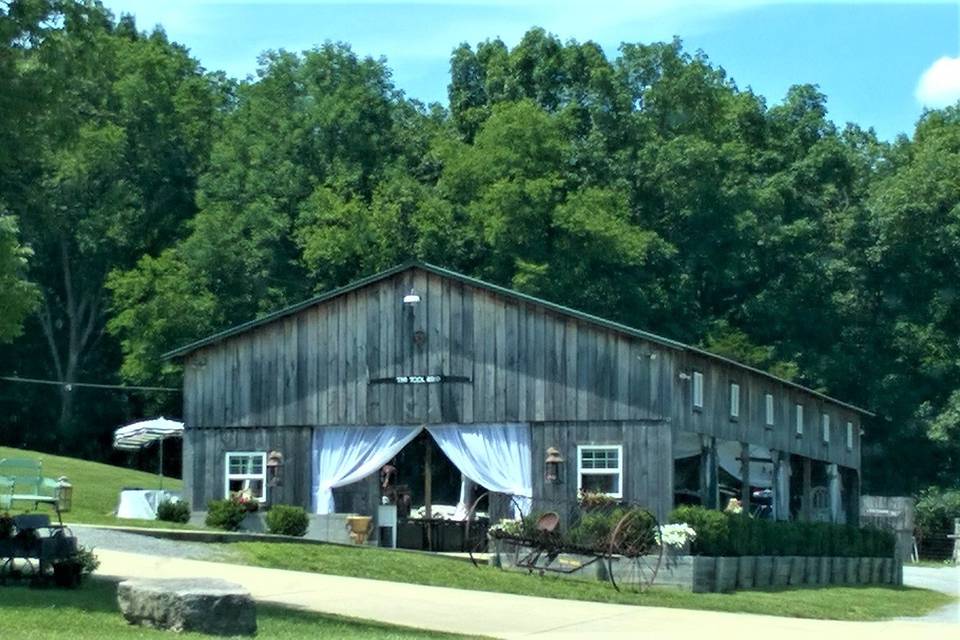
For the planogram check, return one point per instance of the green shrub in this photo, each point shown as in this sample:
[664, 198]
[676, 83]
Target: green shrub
[173, 511]
[286, 520]
[87, 559]
[725, 534]
[225, 514]
[595, 526]
[712, 527]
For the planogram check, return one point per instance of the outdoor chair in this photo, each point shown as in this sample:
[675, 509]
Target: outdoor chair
[21, 480]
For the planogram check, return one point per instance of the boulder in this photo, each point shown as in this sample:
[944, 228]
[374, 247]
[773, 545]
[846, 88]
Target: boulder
[204, 605]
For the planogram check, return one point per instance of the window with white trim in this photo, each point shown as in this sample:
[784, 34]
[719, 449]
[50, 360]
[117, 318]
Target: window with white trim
[734, 400]
[600, 469]
[246, 472]
[849, 435]
[768, 409]
[799, 419]
[825, 427]
[697, 390]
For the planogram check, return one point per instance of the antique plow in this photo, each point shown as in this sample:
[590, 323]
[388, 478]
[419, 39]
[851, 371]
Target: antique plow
[622, 538]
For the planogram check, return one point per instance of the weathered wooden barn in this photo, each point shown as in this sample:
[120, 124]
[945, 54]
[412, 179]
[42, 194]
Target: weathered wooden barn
[631, 414]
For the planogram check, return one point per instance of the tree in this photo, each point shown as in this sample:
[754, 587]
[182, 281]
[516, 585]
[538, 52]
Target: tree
[116, 139]
[18, 298]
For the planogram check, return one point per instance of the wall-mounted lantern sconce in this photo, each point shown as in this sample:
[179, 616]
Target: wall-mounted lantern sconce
[275, 468]
[552, 465]
[411, 298]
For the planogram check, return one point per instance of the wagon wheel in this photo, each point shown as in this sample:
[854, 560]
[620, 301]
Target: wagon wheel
[514, 555]
[634, 555]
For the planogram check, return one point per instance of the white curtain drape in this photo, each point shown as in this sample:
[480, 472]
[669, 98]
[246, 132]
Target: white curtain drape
[343, 455]
[495, 456]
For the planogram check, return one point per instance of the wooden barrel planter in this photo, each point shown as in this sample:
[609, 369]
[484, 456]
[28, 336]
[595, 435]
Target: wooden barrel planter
[812, 570]
[781, 571]
[851, 576]
[798, 568]
[823, 571]
[863, 570]
[746, 567]
[763, 576]
[838, 570]
[727, 569]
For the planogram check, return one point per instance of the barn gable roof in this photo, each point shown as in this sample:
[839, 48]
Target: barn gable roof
[503, 291]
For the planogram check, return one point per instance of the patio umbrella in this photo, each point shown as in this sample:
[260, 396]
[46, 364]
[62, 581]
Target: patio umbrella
[138, 435]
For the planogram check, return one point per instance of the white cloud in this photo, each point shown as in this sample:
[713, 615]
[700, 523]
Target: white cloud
[939, 85]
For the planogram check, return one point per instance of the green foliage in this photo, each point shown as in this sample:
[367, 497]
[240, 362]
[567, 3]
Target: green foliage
[173, 511]
[713, 529]
[286, 520]
[936, 510]
[724, 534]
[18, 297]
[87, 559]
[163, 203]
[225, 514]
[595, 527]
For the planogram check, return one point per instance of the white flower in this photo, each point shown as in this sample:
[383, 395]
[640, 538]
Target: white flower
[676, 535]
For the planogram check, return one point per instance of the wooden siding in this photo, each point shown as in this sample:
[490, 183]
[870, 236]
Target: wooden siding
[750, 426]
[524, 364]
[647, 461]
[204, 458]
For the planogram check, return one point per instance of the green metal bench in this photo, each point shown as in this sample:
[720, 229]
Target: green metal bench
[21, 480]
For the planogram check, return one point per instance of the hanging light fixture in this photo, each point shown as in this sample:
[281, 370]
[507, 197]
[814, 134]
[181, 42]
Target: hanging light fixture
[411, 298]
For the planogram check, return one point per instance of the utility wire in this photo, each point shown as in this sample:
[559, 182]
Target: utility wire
[91, 385]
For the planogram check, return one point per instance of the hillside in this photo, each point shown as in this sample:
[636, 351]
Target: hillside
[96, 486]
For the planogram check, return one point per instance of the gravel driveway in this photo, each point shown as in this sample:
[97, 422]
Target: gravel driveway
[943, 579]
[97, 538]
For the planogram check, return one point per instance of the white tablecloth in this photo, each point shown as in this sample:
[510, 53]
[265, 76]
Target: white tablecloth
[141, 504]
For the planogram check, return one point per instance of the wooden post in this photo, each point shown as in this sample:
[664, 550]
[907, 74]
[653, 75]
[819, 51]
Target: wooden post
[745, 477]
[807, 507]
[833, 492]
[428, 491]
[781, 485]
[709, 482]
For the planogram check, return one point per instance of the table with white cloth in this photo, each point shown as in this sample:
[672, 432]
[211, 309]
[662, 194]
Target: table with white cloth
[141, 504]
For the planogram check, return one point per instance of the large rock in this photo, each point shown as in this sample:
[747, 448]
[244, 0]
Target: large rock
[205, 605]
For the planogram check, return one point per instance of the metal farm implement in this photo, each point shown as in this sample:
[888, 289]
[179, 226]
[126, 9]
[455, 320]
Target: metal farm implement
[623, 539]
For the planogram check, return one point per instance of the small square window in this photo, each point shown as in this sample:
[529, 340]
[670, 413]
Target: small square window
[849, 436]
[768, 409]
[825, 427]
[799, 420]
[600, 469]
[697, 390]
[734, 400]
[246, 472]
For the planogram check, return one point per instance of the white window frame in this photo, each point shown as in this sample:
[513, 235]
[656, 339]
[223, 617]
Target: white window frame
[601, 472]
[798, 420]
[734, 400]
[698, 390]
[825, 427]
[849, 436]
[770, 420]
[262, 476]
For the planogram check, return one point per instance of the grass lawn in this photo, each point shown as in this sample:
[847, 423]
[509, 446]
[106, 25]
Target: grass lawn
[833, 603]
[96, 487]
[90, 613]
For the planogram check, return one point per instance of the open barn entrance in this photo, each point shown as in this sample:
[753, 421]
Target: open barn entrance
[422, 479]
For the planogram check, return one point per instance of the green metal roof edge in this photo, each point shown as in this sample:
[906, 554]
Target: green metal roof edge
[510, 293]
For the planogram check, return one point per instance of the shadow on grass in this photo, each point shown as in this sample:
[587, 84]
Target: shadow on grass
[96, 594]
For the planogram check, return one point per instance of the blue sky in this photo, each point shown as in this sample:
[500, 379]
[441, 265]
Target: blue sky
[878, 62]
